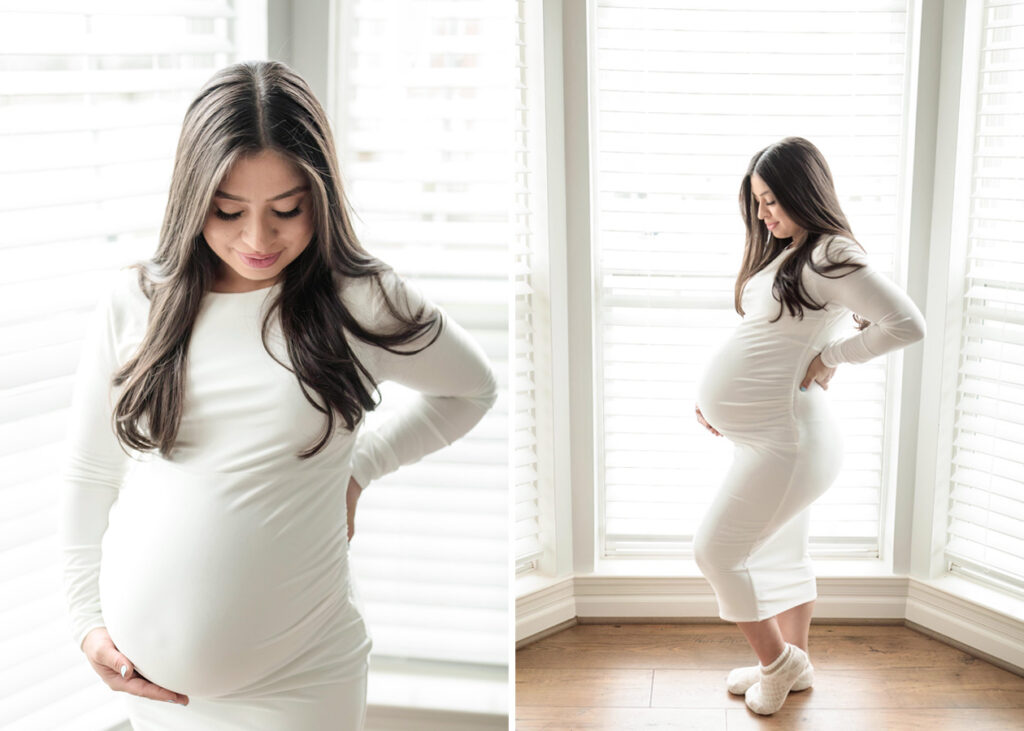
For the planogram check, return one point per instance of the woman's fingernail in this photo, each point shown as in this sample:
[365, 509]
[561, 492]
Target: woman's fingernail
[803, 388]
[171, 700]
[124, 669]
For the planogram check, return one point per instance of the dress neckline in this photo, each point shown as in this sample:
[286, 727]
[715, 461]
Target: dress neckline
[248, 292]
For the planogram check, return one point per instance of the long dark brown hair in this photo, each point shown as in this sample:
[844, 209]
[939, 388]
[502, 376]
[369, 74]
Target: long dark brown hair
[801, 182]
[242, 110]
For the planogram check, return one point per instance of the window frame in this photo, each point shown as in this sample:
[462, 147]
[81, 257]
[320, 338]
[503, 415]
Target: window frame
[902, 370]
[893, 362]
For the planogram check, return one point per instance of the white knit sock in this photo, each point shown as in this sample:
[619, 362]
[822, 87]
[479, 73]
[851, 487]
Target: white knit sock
[742, 678]
[767, 695]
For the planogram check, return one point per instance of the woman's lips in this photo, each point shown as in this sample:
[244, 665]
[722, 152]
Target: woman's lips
[772, 225]
[259, 262]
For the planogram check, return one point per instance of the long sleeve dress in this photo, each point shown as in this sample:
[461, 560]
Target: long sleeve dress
[222, 572]
[752, 542]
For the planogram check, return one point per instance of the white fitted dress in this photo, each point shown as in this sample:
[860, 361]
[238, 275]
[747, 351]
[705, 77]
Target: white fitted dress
[222, 573]
[752, 543]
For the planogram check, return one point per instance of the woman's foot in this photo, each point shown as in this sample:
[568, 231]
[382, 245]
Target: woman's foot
[767, 695]
[742, 678]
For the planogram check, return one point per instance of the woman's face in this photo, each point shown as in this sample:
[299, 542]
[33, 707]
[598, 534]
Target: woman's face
[259, 221]
[773, 215]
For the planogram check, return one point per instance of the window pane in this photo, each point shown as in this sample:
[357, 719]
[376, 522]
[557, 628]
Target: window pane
[424, 129]
[91, 105]
[986, 505]
[684, 97]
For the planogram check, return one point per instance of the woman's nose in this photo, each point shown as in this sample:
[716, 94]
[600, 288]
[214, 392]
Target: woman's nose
[257, 234]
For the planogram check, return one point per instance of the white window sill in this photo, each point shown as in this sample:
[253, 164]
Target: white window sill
[1010, 605]
[535, 581]
[687, 567]
[416, 684]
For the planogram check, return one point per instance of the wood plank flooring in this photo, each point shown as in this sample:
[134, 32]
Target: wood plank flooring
[672, 676]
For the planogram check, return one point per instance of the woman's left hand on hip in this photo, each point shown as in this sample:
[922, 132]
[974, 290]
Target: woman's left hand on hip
[817, 371]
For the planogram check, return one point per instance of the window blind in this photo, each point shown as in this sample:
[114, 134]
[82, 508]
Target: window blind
[684, 94]
[92, 95]
[425, 135]
[529, 313]
[986, 504]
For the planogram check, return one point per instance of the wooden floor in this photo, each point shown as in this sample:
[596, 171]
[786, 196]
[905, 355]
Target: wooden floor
[672, 676]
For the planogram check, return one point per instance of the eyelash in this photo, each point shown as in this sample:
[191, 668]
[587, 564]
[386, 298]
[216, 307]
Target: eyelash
[280, 214]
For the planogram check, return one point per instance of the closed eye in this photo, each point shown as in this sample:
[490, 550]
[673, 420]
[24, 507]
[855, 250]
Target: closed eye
[233, 216]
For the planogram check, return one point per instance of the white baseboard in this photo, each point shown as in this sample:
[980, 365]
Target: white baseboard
[617, 596]
[978, 627]
[898, 598]
[622, 596]
[544, 608]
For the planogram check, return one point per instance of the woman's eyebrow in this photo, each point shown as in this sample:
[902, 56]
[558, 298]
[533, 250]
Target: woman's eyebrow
[760, 195]
[286, 194]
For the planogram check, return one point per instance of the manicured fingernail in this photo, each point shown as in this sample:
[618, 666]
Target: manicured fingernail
[803, 388]
[124, 669]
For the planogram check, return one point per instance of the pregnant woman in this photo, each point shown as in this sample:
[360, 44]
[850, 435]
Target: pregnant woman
[215, 455]
[764, 390]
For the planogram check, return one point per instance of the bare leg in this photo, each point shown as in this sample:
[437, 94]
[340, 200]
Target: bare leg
[795, 624]
[765, 638]
[769, 636]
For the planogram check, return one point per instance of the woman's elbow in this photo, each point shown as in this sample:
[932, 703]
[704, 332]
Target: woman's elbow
[916, 328]
[908, 332]
[904, 328]
[488, 393]
[481, 391]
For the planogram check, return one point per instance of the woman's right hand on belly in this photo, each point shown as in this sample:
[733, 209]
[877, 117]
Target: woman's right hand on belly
[704, 422]
[108, 662]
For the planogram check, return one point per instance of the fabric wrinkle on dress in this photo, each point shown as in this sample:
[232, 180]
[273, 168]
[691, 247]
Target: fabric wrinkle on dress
[223, 572]
[752, 545]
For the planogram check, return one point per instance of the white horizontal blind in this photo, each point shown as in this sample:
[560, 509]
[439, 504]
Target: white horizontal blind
[92, 95]
[425, 135]
[686, 93]
[528, 547]
[986, 507]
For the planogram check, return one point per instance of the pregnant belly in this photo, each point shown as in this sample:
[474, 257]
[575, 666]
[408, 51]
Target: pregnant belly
[747, 386]
[210, 584]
